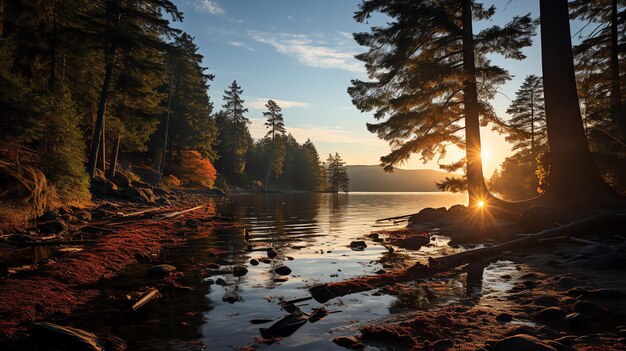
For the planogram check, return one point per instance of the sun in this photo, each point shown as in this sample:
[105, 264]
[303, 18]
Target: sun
[481, 204]
[486, 155]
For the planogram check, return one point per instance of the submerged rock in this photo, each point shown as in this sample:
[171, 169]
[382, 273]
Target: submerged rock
[271, 253]
[282, 270]
[254, 262]
[240, 271]
[358, 245]
[161, 269]
[231, 297]
[349, 342]
[285, 326]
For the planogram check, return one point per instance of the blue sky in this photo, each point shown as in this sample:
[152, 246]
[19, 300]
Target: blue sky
[300, 53]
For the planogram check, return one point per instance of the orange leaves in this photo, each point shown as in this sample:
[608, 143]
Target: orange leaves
[195, 169]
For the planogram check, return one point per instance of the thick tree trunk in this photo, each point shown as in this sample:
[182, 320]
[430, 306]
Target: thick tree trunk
[574, 177]
[104, 95]
[618, 114]
[116, 151]
[475, 181]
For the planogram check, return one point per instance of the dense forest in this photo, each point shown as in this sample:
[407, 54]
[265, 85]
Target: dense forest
[89, 89]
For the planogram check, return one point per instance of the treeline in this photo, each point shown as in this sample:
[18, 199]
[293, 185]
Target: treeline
[92, 85]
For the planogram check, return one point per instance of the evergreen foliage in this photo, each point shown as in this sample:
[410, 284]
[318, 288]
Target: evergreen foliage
[337, 174]
[527, 127]
[234, 136]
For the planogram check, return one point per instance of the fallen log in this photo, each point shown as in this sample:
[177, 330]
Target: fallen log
[602, 222]
[81, 339]
[151, 295]
[178, 213]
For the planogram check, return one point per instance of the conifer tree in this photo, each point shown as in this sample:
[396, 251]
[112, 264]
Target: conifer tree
[275, 122]
[234, 134]
[276, 133]
[420, 63]
[337, 173]
[526, 129]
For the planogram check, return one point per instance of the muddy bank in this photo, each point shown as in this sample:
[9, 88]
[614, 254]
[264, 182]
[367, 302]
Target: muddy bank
[66, 278]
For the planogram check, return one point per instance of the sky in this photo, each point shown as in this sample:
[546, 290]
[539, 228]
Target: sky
[301, 54]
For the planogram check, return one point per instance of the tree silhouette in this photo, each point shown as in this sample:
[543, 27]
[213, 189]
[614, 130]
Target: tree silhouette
[419, 64]
[337, 173]
[526, 129]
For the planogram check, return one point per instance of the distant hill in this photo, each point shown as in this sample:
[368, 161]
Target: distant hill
[374, 178]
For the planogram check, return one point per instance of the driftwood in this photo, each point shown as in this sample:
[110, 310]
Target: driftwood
[602, 222]
[395, 218]
[150, 295]
[178, 213]
[78, 338]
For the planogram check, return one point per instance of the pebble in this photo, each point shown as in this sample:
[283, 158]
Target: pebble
[271, 253]
[547, 301]
[358, 245]
[231, 297]
[254, 262]
[551, 315]
[221, 282]
[161, 269]
[239, 271]
[349, 342]
[282, 270]
[504, 317]
[443, 344]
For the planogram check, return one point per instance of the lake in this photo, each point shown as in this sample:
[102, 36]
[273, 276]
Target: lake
[311, 234]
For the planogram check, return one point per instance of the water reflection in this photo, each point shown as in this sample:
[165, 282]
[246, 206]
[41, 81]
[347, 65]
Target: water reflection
[310, 234]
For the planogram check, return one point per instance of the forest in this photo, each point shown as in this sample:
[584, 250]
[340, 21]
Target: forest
[136, 214]
[91, 89]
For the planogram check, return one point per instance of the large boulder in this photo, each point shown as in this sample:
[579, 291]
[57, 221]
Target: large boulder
[121, 180]
[522, 342]
[24, 187]
[133, 194]
[428, 214]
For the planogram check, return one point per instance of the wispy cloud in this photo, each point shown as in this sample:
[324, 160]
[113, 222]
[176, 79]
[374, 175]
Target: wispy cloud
[211, 7]
[241, 45]
[317, 134]
[312, 50]
[259, 103]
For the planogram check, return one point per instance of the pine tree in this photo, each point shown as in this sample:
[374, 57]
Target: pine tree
[337, 173]
[420, 63]
[598, 63]
[527, 128]
[234, 134]
[121, 28]
[276, 125]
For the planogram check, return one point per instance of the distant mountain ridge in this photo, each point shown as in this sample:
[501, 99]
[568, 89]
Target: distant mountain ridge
[374, 178]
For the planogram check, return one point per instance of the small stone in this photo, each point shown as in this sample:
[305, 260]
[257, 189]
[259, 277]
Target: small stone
[231, 297]
[271, 253]
[221, 282]
[213, 266]
[47, 216]
[239, 271]
[53, 227]
[280, 279]
[254, 262]
[358, 245]
[590, 308]
[211, 254]
[547, 301]
[282, 270]
[551, 315]
[504, 317]
[161, 269]
[349, 342]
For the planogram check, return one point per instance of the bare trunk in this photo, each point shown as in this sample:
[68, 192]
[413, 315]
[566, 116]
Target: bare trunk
[104, 95]
[167, 122]
[573, 173]
[475, 180]
[103, 149]
[116, 151]
[1, 18]
[616, 92]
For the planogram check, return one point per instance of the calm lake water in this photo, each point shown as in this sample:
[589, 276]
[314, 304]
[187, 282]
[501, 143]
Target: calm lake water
[311, 233]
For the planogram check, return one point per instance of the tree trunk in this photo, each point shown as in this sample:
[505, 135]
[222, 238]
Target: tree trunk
[116, 151]
[103, 149]
[475, 180]
[104, 95]
[574, 177]
[1, 18]
[167, 122]
[616, 92]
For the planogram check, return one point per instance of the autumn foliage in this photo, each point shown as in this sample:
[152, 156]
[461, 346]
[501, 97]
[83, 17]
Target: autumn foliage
[194, 169]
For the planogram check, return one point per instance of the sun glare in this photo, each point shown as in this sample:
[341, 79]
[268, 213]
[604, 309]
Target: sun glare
[481, 204]
[486, 155]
